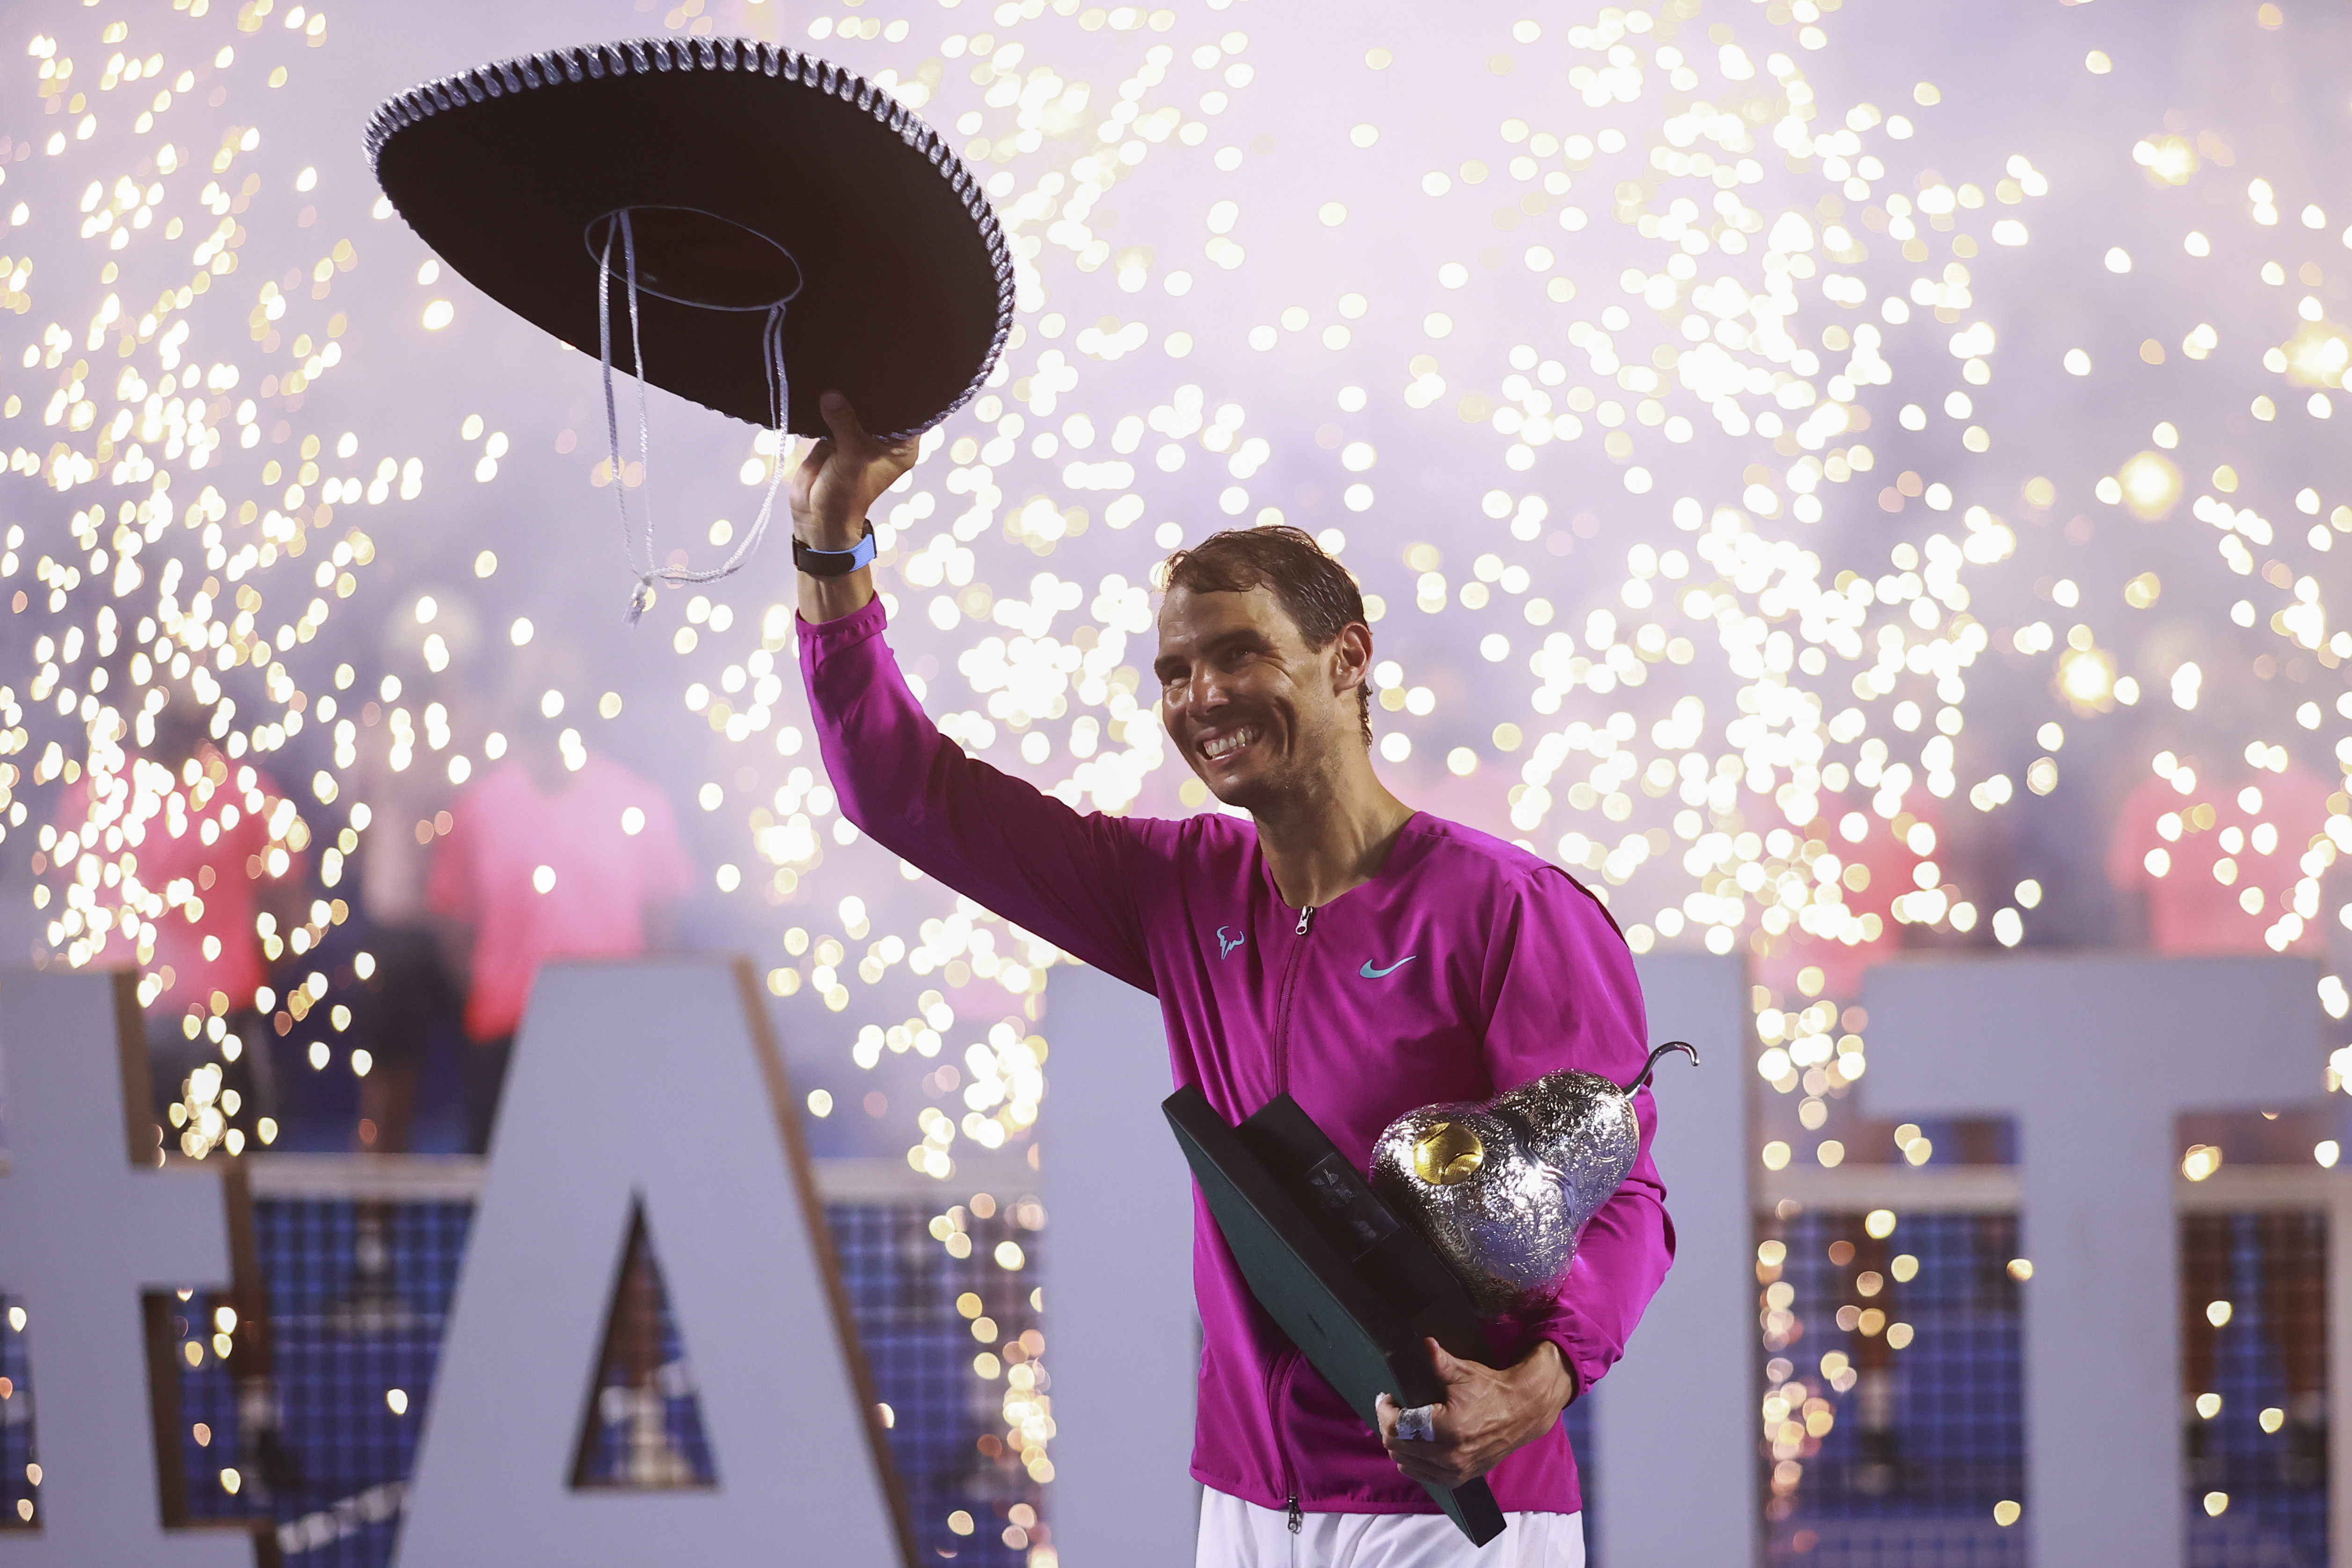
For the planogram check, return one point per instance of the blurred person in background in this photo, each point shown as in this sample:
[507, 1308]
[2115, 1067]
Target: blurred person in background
[221, 844]
[205, 843]
[409, 996]
[411, 993]
[554, 854]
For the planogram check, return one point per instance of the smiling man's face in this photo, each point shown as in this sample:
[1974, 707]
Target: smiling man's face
[1254, 710]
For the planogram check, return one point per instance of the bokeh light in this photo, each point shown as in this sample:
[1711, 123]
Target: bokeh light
[1766, 468]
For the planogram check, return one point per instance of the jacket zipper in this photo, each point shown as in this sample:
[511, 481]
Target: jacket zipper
[1287, 1361]
[1285, 1364]
[1282, 1011]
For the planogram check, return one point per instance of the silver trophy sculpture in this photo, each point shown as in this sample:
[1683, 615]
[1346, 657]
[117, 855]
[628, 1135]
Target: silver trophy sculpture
[1503, 1189]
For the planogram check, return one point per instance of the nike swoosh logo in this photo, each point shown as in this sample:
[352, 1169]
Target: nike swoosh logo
[1371, 973]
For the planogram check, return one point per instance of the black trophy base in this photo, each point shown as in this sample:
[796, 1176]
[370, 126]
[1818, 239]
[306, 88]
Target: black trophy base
[1357, 1289]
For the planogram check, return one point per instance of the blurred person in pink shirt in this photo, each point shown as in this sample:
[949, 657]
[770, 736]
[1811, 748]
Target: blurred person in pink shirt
[554, 853]
[221, 843]
[199, 826]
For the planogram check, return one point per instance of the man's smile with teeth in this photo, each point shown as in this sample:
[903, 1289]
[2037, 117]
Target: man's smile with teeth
[1226, 744]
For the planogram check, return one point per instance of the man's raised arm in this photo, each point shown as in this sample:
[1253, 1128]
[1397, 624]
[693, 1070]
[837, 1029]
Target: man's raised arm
[842, 475]
[1074, 880]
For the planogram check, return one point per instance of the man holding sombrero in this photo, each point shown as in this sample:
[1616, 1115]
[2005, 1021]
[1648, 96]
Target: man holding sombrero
[1340, 946]
[1363, 957]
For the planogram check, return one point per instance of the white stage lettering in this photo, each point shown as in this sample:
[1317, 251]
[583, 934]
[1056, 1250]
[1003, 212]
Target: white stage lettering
[2095, 1057]
[655, 1084]
[87, 1226]
[1675, 1419]
[1118, 1285]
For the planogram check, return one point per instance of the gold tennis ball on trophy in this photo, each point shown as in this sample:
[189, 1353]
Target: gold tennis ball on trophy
[1448, 1152]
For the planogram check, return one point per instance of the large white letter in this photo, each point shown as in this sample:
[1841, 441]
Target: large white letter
[658, 1084]
[1675, 1421]
[1118, 1291]
[2095, 1057]
[84, 1233]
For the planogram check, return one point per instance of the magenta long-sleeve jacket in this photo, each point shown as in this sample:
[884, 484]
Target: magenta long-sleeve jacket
[1466, 968]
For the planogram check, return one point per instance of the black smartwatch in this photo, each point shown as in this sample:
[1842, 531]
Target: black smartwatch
[836, 562]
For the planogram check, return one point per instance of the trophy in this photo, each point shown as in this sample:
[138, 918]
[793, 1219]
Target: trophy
[1502, 1190]
[1470, 1211]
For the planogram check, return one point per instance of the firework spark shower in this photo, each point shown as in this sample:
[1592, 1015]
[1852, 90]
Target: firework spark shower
[1813, 469]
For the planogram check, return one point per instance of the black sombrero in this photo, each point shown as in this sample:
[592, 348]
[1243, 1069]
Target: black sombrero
[745, 218]
[754, 175]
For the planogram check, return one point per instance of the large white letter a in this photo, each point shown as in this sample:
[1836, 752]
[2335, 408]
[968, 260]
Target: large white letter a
[654, 1084]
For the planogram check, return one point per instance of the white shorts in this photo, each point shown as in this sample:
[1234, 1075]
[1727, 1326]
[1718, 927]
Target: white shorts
[1237, 1534]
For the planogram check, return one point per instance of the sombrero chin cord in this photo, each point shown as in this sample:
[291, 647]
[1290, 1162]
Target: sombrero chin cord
[780, 407]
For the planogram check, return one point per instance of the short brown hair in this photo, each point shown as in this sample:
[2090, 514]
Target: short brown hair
[1314, 590]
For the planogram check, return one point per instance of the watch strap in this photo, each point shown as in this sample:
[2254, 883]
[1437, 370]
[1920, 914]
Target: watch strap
[836, 562]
